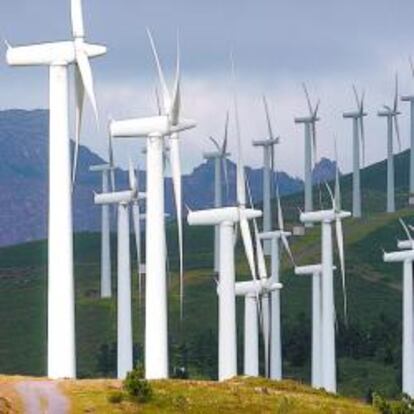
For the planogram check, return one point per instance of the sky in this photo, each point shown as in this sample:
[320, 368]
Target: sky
[277, 45]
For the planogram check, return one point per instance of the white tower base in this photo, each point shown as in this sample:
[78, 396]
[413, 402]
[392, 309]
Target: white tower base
[61, 358]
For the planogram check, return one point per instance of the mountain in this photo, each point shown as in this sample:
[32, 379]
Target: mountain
[24, 175]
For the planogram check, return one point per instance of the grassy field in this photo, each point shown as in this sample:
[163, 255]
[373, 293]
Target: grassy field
[238, 395]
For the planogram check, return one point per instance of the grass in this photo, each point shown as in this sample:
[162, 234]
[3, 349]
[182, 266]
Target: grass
[239, 395]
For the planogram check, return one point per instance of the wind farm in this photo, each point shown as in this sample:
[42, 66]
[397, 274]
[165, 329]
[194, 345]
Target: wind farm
[202, 240]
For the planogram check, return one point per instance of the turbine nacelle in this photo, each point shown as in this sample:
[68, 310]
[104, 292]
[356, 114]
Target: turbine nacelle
[401, 256]
[388, 112]
[216, 216]
[306, 120]
[48, 54]
[266, 142]
[255, 288]
[310, 270]
[118, 197]
[326, 216]
[215, 154]
[150, 126]
[276, 234]
[100, 168]
[354, 114]
[405, 244]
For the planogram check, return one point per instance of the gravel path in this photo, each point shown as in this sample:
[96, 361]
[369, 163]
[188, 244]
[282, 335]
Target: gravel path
[42, 397]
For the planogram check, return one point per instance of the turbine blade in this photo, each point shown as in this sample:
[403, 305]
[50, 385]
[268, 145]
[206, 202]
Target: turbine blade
[396, 94]
[337, 183]
[111, 162]
[136, 216]
[80, 96]
[340, 242]
[269, 122]
[78, 29]
[165, 92]
[158, 102]
[358, 103]
[176, 102]
[85, 70]
[330, 194]
[308, 101]
[226, 135]
[215, 143]
[362, 138]
[404, 226]
[241, 185]
[176, 176]
[131, 176]
[247, 241]
[261, 261]
[286, 245]
[280, 220]
[397, 132]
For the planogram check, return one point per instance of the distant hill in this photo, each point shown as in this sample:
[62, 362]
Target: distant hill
[23, 180]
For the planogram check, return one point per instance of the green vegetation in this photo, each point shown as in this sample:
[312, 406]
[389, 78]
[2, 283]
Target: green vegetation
[368, 346]
[241, 395]
[137, 387]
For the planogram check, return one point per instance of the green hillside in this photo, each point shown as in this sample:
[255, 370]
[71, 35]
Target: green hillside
[369, 346]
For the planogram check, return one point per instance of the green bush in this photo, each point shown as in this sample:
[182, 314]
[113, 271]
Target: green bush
[116, 397]
[404, 406]
[137, 387]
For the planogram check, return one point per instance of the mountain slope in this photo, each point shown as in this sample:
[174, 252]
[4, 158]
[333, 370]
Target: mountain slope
[24, 180]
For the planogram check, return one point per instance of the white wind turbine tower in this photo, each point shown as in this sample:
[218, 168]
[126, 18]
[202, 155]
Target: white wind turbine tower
[227, 218]
[407, 258]
[410, 99]
[392, 122]
[124, 317]
[273, 360]
[108, 176]
[309, 123]
[326, 218]
[220, 167]
[318, 331]
[58, 56]
[155, 129]
[136, 219]
[268, 146]
[251, 291]
[358, 139]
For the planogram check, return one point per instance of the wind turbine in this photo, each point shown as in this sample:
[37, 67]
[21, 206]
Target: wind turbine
[274, 361]
[123, 199]
[268, 146]
[251, 291]
[219, 156]
[136, 218]
[391, 115]
[108, 174]
[410, 99]
[407, 258]
[358, 139]
[327, 218]
[318, 332]
[309, 123]
[156, 129]
[58, 56]
[227, 218]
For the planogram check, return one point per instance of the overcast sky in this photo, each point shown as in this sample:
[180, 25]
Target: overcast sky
[277, 44]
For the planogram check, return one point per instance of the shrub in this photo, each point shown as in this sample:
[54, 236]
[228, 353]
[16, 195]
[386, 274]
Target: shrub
[116, 397]
[404, 406]
[137, 387]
